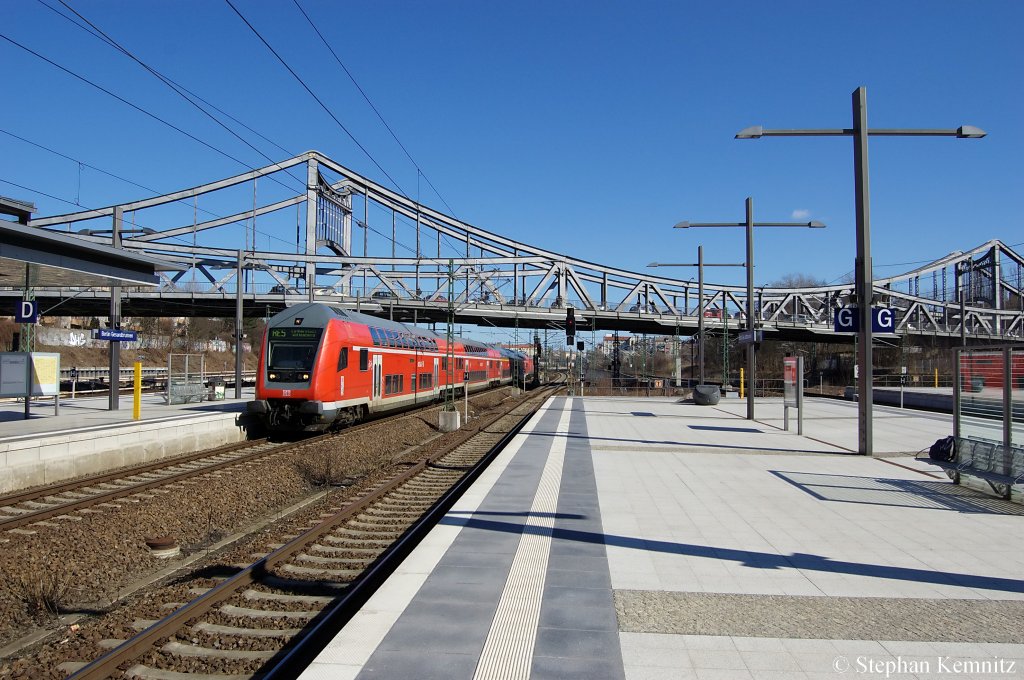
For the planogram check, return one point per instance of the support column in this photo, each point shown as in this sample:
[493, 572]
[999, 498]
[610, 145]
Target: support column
[238, 324]
[863, 272]
[700, 311]
[115, 318]
[312, 177]
[997, 291]
[751, 326]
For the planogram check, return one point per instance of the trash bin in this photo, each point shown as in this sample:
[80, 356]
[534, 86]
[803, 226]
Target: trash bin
[977, 383]
[706, 395]
[216, 390]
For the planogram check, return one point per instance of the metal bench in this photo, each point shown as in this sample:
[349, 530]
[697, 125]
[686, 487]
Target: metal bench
[1001, 466]
[185, 391]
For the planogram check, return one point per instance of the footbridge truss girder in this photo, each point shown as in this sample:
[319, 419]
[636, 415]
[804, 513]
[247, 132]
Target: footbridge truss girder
[325, 214]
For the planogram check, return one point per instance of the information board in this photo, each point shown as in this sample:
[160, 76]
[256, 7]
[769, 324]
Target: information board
[790, 380]
[45, 374]
[13, 374]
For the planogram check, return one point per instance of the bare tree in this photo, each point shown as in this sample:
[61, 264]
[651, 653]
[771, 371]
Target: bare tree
[798, 281]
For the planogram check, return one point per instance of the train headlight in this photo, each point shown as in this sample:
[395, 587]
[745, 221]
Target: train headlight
[305, 376]
[273, 376]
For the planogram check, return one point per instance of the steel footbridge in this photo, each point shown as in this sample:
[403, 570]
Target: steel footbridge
[289, 232]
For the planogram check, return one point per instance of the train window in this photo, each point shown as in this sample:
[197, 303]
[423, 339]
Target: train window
[296, 355]
[364, 360]
[412, 383]
[343, 359]
[444, 363]
[393, 384]
[373, 334]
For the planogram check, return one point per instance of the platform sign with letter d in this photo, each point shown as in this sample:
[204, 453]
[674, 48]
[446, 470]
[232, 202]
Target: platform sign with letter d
[27, 312]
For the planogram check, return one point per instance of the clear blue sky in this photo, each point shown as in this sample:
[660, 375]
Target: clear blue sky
[587, 128]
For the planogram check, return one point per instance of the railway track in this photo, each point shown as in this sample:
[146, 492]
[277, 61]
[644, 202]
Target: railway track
[58, 500]
[291, 597]
[38, 505]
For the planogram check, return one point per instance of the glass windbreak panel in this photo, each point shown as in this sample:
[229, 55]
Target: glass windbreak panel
[982, 379]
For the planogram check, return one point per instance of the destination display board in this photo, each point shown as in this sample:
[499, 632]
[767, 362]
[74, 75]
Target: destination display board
[297, 334]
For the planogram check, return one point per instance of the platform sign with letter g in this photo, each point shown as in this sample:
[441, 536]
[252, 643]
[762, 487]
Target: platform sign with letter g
[883, 320]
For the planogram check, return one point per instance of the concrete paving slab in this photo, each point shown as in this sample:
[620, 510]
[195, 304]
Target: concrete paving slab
[721, 532]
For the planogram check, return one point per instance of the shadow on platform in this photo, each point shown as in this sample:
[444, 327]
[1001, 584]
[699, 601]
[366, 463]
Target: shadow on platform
[902, 493]
[753, 558]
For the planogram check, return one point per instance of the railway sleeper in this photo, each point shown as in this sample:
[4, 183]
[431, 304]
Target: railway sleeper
[369, 552]
[247, 612]
[357, 541]
[318, 559]
[348, 574]
[282, 597]
[182, 649]
[326, 589]
[217, 629]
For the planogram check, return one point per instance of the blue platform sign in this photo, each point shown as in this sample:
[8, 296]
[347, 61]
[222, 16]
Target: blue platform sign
[883, 320]
[27, 312]
[115, 335]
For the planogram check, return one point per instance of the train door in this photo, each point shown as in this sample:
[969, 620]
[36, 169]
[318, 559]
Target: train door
[377, 378]
[437, 363]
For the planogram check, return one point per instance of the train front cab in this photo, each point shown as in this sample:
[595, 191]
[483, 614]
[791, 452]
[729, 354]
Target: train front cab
[299, 351]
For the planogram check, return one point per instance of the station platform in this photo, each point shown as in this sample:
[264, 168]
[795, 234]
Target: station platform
[85, 437]
[646, 538]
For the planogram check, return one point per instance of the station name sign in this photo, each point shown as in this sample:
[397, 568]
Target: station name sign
[115, 335]
[748, 337]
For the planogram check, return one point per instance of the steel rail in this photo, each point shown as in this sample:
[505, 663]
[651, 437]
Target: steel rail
[99, 478]
[326, 628]
[108, 664]
[47, 513]
[94, 499]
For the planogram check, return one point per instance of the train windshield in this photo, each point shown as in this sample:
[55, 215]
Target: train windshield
[293, 348]
[292, 355]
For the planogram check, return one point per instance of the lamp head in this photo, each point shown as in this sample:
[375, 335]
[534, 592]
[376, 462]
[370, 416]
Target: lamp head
[682, 225]
[754, 132]
[969, 132]
[654, 264]
[816, 224]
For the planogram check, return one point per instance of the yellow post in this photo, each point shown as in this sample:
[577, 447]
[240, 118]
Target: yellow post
[742, 382]
[936, 377]
[137, 405]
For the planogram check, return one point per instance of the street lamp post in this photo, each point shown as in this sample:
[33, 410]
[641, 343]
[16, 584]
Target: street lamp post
[750, 325]
[864, 283]
[699, 264]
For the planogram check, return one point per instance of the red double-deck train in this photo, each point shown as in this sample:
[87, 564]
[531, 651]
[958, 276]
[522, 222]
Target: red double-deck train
[323, 367]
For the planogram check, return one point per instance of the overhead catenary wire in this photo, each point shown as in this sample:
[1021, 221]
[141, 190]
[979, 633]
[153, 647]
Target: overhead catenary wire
[96, 32]
[85, 164]
[373, 106]
[175, 87]
[315, 97]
